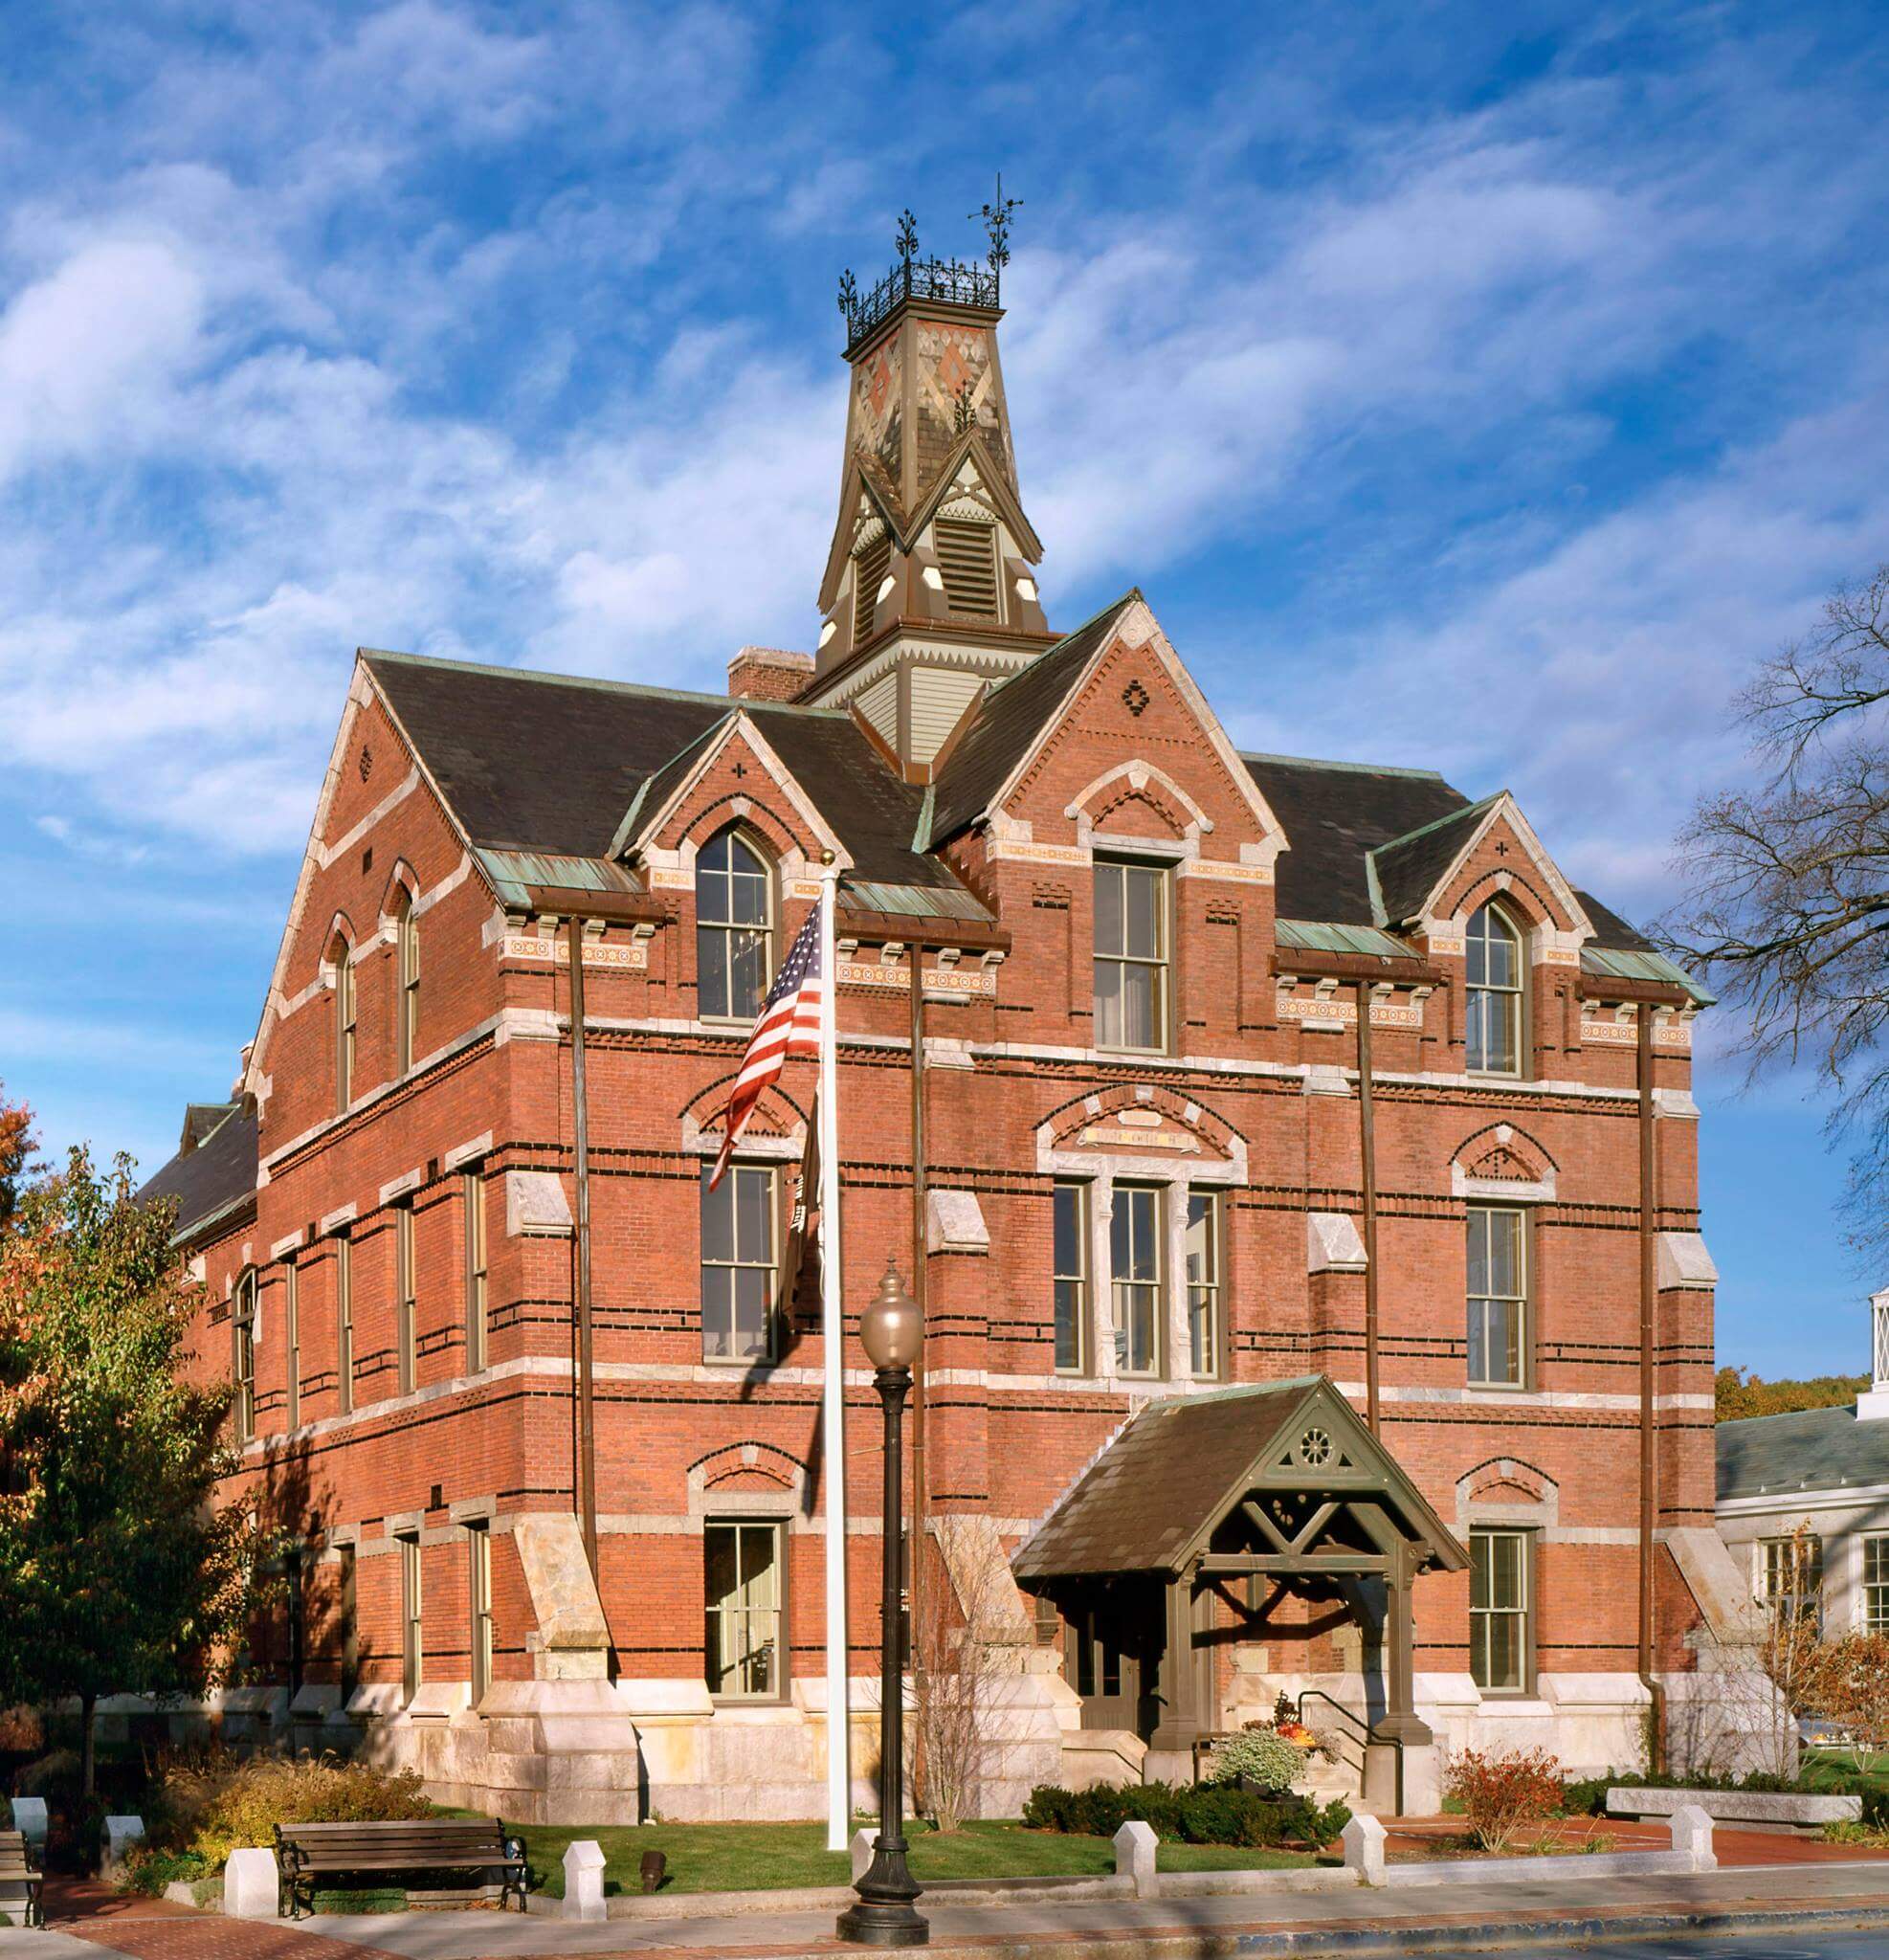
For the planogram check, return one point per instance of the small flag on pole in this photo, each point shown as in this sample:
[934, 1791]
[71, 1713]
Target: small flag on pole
[789, 1025]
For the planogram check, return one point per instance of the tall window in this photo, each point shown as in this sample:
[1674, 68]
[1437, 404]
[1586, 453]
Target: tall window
[472, 1204]
[478, 1577]
[1131, 955]
[743, 1640]
[1875, 1585]
[242, 1326]
[1498, 1297]
[740, 1276]
[734, 908]
[1501, 1612]
[1492, 1018]
[345, 1326]
[1135, 1231]
[344, 1024]
[412, 1653]
[1203, 1333]
[405, 1305]
[347, 1612]
[1790, 1577]
[407, 1010]
[1070, 1257]
[292, 1345]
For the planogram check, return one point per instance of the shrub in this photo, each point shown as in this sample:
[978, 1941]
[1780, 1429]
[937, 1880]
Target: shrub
[1262, 1757]
[1202, 1814]
[1503, 1791]
[150, 1871]
[211, 1803]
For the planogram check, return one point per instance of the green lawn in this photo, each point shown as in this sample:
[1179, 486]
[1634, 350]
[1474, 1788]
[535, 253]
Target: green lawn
[1820, 1768]
[741, 1858]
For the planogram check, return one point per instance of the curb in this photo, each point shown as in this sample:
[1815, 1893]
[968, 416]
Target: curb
[1489, 1935]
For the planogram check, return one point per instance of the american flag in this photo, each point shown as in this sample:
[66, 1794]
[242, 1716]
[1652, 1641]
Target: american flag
[789, 1025]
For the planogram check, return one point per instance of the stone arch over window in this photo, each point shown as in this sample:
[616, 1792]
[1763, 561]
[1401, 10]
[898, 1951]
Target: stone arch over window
[1140, 793]
[1508, 1490]
[748, 1476]
[777, 1128]
[1504, 1164]
[735, 907]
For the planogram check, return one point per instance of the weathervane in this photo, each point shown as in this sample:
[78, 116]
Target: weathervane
[996, 218]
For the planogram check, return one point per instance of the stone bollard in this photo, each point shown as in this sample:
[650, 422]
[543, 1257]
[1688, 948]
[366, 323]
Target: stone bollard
[252, 1885]
[1363, 1839]
[1692, 1834]
[861, 1848]
[583, 1880]
[30, 1822]
[1135, 1851]
[121, 1834]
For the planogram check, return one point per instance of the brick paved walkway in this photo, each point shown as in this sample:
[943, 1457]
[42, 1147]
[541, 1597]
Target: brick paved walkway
[208, 1936]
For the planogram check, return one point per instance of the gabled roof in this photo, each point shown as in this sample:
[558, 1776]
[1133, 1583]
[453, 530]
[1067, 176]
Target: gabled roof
[1808, 1449]
[212, 1180]
[201, 1121]
[1154, 1497]
[1008, 722]
[1334, 813]
[1407, 869]
[551, 763]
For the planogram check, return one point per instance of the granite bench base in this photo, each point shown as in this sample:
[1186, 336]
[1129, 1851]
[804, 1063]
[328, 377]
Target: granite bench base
[1787, 1811]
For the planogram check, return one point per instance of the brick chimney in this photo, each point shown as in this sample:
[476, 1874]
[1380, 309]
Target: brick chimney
[768, 674]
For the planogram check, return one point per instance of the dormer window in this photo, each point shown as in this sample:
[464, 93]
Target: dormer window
[1492, 1017]
[968, 564]
[734, 917]
[1131, 954]
[870, 564]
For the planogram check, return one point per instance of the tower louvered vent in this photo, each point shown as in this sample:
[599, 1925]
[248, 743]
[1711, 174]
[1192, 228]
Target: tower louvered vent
[870, 564]
[968, 564]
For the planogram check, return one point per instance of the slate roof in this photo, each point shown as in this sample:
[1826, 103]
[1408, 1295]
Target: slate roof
[214, 1177]
[1407, 867]
[1008, 720]
[1814, 1449]
[550, 762]
[1333, 813]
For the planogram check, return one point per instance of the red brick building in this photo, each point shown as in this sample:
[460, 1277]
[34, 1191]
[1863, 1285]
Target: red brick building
[1238, 1071]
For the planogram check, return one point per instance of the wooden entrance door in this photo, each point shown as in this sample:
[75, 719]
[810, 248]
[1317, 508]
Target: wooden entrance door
[1112, 1658]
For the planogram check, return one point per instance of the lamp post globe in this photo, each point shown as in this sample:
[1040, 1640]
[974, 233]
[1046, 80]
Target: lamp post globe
[890, 1330]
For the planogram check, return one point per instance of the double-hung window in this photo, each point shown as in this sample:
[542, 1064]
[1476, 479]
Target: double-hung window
[741, 1643]
[1875, 1586]
[292, 1345]
[242, 1320]
[740, 1264]
[413, 1653]
[1070, 1255]
[478, 1579]
[472, 1200]
[405, 1305]
[346, 1018]
[1131, 954]
[1492, 1017]
[1204, 1334]
[1791, 1577]
[1502, 1641]
[345, 1324]
[406, 1013]
[1498, 1297]
[734, 911]
[1136, 1228]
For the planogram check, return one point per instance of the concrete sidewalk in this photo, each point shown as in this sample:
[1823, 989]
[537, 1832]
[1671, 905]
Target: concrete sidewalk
[1356, 1922]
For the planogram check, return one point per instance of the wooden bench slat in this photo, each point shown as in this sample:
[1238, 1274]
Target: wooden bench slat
[401, 1845]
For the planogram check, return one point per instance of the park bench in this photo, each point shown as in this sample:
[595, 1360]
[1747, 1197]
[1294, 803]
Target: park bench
[16, 1868]
[308, 1852]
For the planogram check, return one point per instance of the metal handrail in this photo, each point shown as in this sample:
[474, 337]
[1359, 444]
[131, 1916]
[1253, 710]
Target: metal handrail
[1362, 1736]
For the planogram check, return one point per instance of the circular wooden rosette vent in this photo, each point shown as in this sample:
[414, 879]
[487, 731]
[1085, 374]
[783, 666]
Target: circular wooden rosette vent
[1314, 1449]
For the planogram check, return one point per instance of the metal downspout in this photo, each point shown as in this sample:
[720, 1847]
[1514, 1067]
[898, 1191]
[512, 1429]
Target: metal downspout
[1649, 1462]
[1368, 1170]
[580, 1107]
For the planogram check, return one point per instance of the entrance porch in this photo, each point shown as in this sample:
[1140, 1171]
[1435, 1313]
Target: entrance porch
[1263, 1518]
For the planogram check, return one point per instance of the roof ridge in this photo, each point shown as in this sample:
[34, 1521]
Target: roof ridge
[1786, 1414]
[1365, 768]
[1133, 593]
[594, 681]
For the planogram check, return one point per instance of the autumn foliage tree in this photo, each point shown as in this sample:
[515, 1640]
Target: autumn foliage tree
[1738, 1393]
[15, 1156]
[119, 1572]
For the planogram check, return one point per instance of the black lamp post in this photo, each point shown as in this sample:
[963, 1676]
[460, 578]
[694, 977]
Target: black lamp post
[890, 1329]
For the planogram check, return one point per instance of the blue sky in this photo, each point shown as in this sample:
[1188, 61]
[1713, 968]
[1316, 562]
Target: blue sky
[1478, 386]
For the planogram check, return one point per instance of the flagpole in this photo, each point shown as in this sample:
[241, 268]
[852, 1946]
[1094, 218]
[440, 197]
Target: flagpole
[839, 1768]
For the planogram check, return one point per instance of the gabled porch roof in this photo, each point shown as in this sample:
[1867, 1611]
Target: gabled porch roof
[1288, 1465]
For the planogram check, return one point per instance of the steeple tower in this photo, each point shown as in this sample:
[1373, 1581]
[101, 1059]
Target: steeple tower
[930, 586]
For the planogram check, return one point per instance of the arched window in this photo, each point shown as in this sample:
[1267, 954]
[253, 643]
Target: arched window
[407, 1004]
[345, 1023]
[242, 1361]
[1492, 1018]
[734, 912]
